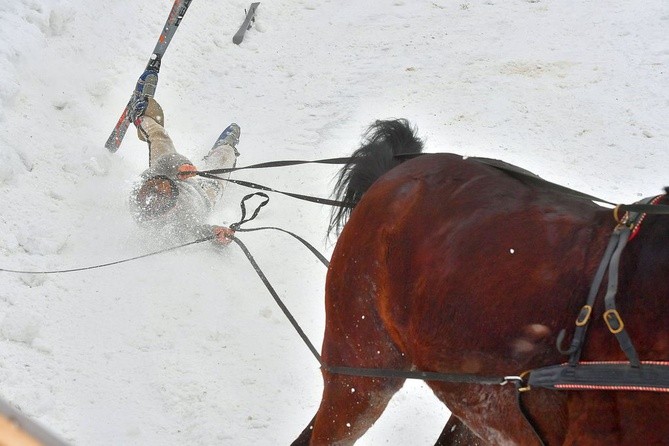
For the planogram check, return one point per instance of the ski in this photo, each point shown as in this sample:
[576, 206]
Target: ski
[147, 84]
[248, 21]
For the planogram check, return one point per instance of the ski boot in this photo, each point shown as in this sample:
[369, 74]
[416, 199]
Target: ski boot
[144, 90]
[220, 153]
[230, 137]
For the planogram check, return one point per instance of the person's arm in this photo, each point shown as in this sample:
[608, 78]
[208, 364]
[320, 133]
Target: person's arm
[186, 170]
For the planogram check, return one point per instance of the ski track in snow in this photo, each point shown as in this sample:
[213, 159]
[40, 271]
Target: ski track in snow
[188, 347]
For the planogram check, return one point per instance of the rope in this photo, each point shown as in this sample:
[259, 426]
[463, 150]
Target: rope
[237, 226]
[243, 219]
[103, 265]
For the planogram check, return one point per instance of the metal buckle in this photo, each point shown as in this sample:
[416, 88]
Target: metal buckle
[584, 316]
[519, 381]
[622, 221]
[614, 321]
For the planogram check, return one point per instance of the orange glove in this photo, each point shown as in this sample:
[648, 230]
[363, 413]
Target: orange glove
[223, 235]
[186, 171]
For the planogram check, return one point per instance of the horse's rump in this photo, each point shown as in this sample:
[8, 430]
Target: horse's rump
[466, 243]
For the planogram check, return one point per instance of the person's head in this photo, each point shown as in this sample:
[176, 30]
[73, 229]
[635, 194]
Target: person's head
[155, 197]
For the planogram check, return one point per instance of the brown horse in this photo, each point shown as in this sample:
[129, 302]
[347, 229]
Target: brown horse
[453, 265]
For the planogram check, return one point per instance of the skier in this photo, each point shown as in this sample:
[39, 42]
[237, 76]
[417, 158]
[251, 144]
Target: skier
[170, 199]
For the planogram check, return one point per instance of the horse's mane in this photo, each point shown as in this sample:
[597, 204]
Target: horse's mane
[382, 141]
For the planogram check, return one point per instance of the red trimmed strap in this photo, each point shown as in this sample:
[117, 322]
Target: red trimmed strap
[651, 376]
[637, 225]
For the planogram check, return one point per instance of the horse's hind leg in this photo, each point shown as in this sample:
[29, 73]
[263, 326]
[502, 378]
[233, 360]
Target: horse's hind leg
[349, 407]
[355, 336]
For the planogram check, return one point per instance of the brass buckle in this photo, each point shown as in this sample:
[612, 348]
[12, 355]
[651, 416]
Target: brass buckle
[524, 376]
[624, 220]
[583, 316]
[614, 321]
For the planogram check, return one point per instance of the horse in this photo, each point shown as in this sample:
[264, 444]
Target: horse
[467, 266]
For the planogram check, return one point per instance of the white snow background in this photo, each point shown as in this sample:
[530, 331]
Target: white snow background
[188, 347]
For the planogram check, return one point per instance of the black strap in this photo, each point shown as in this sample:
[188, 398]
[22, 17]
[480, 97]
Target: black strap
[308, 245]
[243, 219]
[415, 374]
[611, 263]
[652, 209]
[520, 391]
[277, 299]
[237, 226]
[510, 169]
[649, 376]
[283, 163]
[611, 316]
[269, 189]
[584, 316]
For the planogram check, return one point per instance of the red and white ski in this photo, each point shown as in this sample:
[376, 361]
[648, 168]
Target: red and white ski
[176, 14]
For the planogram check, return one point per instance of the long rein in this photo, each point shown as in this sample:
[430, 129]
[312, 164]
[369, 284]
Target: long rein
[366, 372]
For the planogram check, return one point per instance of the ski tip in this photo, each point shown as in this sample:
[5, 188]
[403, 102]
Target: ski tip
[112, 146]
[116, 138]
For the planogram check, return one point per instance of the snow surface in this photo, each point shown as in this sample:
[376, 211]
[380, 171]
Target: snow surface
[187, 347]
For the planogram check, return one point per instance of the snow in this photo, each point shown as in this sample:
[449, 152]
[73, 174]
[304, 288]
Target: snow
[187, 347]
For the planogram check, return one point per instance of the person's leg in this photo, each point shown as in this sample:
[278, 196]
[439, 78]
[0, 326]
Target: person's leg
[152, 131]
[223, 155]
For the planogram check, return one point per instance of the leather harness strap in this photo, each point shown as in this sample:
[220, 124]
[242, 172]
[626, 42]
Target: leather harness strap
[649, 376]
[606, 375]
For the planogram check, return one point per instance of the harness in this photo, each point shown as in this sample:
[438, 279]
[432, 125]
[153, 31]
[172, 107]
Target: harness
[632, 374]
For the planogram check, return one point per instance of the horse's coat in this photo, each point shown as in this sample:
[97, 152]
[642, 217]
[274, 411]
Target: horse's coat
[451, 265]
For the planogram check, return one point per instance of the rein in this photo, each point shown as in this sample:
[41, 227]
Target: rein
[103, 265]
[213, 174]
[514, 171]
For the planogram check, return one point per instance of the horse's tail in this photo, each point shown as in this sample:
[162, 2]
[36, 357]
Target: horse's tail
[383, 142]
